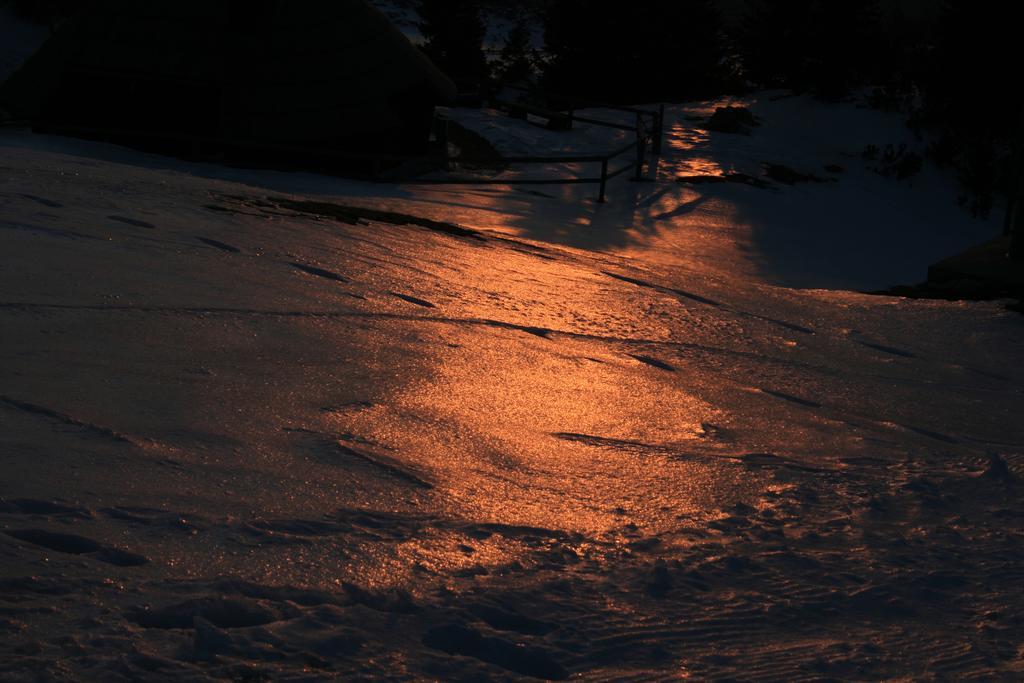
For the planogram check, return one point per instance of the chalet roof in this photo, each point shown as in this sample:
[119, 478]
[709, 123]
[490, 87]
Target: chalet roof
[297, 67]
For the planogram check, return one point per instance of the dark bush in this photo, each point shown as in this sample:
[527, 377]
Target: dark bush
[732, 120]
[518, 60]
[899, 162]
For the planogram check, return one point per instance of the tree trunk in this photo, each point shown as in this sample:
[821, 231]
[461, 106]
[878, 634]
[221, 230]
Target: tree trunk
[1016, 220]
[1015, 203]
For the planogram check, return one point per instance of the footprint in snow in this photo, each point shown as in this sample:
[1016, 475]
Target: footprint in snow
[28, 506]
[216, 244]
[132, 221]
[649, 285]
[887, 349]
[519, 658]
[73, 544]
[791, 398]
[413, 300]
[541, 332]
[43, 200]
[930, 434]
[319, 272]
[653, 362]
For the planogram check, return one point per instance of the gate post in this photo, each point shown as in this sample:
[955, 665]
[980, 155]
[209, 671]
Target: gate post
[442, 135]
[640, 151]
[659, 130]
[604, 180]
[1015, 214]
[1015, 202]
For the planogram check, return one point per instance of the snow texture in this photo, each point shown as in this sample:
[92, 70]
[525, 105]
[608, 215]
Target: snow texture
[270, 426]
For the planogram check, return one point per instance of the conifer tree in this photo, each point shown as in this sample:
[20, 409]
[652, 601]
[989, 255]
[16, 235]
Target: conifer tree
[847, 47]
[773, 42]
[454, 37]
[820, 46]
[517, 61]
[680, 44]
[973, 100]
[659, 49]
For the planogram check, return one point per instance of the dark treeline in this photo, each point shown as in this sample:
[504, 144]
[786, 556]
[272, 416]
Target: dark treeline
[48, 12]
[971, 88]
[649, 50]
[819, 46]
[453, 33]
[652, 50]
[954, 68]
[956, 75]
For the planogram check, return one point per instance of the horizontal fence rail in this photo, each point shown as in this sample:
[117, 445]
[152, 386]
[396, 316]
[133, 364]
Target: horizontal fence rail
[571, 104]
[602, 180]
[647, 126]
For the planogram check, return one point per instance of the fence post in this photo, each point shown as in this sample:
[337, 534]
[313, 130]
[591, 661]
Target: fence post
[639, 148]
[1015, 214]
[443, 139]
[604, 180]
[659, 130]
[1015, 201]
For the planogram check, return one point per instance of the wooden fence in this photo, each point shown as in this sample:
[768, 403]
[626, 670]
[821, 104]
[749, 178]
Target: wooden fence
[561, 113]
[647, 128]
[601, 180]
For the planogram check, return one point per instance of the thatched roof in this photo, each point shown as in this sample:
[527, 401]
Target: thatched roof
[284, 71]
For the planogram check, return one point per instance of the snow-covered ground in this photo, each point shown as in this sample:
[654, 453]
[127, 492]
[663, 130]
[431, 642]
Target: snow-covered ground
[852, 229]
[261, 425]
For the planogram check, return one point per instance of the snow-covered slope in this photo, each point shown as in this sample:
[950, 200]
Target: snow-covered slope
[849, 227]
[277, 426]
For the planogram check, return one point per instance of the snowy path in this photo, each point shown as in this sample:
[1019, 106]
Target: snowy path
[257, 433]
